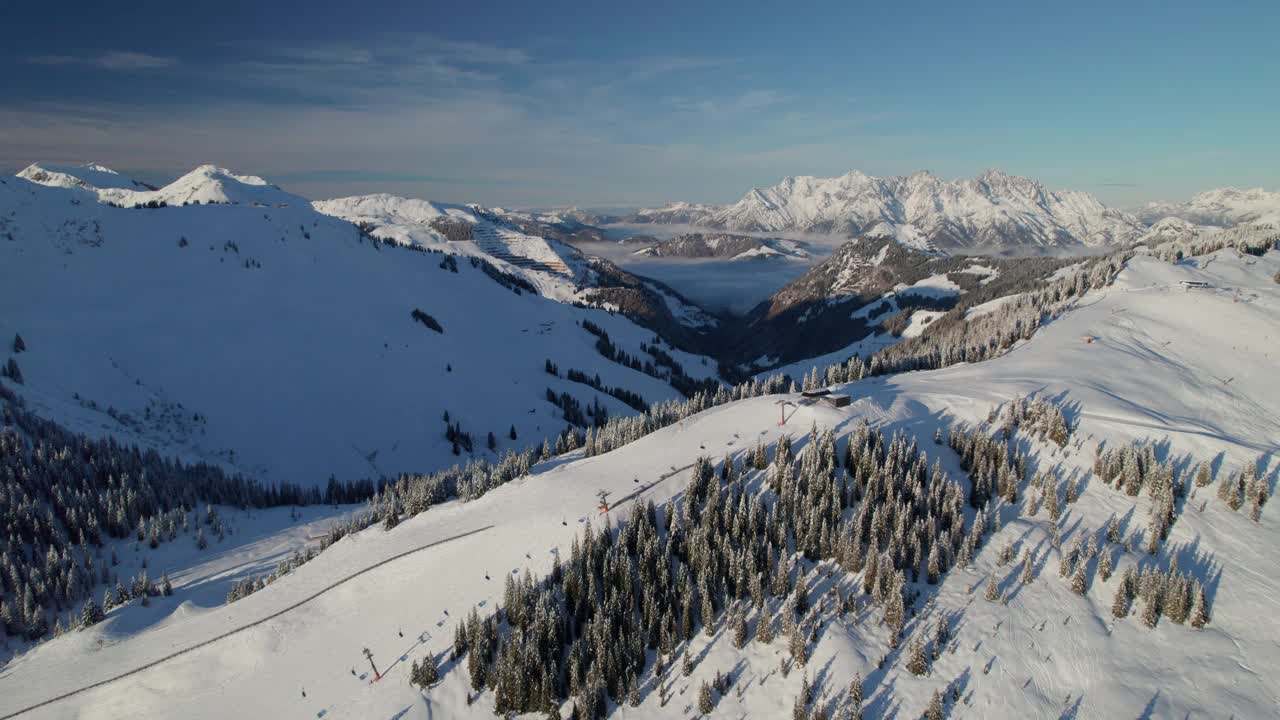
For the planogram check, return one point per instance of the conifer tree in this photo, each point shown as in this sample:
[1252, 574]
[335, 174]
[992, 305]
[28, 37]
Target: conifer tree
[764, 630]
[936, 707]
[739, 624]
[1200, 608]
[855, 696]
[90, 614]
[941, 636]
[796, 645]
[917, 663]
[1079, 579]
[992, 593]
[706, 703]
[1203, 475]
[1230, 491]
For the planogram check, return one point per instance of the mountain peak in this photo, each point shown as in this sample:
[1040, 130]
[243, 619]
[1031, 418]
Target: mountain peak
[993, 209]
[89, 176]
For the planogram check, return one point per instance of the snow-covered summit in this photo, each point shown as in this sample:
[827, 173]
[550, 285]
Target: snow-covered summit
[387, 209]
[1222, 207]
[203, 185]
[993, 209]
[90, 176]
[211, 184]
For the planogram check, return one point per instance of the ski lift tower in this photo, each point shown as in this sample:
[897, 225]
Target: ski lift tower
[782, 410]
[603, 497]
[369, 656]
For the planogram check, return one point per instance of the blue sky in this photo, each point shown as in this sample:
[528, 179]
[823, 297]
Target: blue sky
[542, 103]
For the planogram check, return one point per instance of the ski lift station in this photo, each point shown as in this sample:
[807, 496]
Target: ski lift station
[825, 395]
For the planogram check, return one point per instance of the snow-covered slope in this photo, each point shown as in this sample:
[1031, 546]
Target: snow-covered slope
[90, 176]
[1223, 207]
[1190, 370]
[922, 210]
[555, 268]
[279, 340]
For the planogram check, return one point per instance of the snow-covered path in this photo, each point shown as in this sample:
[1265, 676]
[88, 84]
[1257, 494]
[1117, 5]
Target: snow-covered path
[242, 628]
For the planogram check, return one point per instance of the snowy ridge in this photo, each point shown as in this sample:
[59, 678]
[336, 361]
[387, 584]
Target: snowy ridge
[720, 245]
[1223, 207]
[203, 185]
[554, 268]
[90, 176]
[920, 210]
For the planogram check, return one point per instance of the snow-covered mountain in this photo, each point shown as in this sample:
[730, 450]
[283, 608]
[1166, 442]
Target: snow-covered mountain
[90, 176]
[288, 344]
[921, 210]
[203, 185]
[1223, 207]
[724, 245]
[855, 300]
[535, 245]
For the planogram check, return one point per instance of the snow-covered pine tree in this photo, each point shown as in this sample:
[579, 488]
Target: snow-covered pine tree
[706, 702]
[937, 708]
[855, 695]
[1120, 603]
[1200, 608]
[739, 625]
[917, 663]
[1080, 578]
[1231, 491]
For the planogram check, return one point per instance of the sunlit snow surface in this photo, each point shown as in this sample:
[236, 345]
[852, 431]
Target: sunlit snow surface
[1194, 369]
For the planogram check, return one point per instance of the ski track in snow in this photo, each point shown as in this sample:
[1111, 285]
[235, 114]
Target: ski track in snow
[242, 628]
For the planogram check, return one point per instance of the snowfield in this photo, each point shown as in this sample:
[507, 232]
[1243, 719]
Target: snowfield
[1193, 370]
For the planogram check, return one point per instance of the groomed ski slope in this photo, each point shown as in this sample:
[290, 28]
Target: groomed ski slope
[1194, 369]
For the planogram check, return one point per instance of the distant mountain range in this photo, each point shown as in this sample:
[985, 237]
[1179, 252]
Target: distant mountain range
[992, 211]
[1223, 207]
[725, 246]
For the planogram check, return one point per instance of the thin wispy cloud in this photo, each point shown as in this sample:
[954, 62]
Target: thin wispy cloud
[116, 60]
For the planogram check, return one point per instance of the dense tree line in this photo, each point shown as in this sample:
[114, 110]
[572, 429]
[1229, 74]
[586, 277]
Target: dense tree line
[675, 376]
[63, 496]
[619, 431]
[514, 283]
[723, 555]
[1245, 239]
[631, 399]
[571, 408]
[452, 229]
